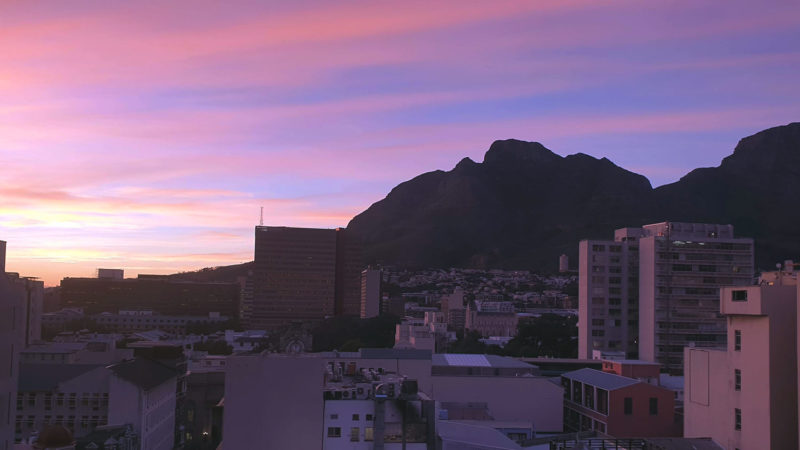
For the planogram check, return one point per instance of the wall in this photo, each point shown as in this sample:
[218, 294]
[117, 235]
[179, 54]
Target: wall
[532, 399]
[273, 402]
[641, 423]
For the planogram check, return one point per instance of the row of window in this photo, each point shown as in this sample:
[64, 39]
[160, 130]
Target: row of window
[355, 433]
[355, 417]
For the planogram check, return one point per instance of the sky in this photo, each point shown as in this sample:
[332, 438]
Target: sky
[147, 135]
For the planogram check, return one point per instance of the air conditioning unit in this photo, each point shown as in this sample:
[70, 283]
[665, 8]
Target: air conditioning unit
[345, 394]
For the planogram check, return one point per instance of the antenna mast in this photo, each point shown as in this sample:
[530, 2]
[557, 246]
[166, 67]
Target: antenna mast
[261, 222]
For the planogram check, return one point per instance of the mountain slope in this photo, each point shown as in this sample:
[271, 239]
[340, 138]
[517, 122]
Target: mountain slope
[516, 209]
[525, 205]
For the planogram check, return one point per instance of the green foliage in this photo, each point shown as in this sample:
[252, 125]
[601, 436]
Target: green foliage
[549, 335]
[351, 333]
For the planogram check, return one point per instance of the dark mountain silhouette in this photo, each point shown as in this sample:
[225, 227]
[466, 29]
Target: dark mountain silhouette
[525, 205]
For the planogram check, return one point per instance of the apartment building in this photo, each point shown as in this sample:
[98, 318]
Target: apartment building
[608, 294]
[744, 395]
[617, 406]
[74, 396]
[655, 289]
[142, 393]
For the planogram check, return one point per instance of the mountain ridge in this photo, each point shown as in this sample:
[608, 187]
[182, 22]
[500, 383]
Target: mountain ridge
[524, 204]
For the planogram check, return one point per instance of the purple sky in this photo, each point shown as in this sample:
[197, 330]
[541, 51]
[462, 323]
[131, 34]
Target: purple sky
[146, 135]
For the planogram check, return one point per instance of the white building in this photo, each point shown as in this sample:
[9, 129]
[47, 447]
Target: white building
[142, 393]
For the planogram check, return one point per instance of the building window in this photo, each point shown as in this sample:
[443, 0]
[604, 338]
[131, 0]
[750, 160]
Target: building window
[653, 406]
[334, 432]
[354, 433]
[737, 379]
[369, 417]
[355, 416]
[628, 406]
[602, 401]
[334, 416]
[739, 296]
[737, 340]
[598, 248]
[588, 396]
[737, 419]
[368, 433]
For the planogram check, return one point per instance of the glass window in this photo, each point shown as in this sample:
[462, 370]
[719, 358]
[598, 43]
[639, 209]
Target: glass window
[653, 406]
[628, 406]
[737, 340]
[368, 433]
[737, 376]
[354, 434]
[334, 432]
[739, 296]
[602, 401]
[355, 416]
[737, 419]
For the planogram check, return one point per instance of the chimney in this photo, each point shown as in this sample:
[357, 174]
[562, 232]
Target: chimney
[3, 257]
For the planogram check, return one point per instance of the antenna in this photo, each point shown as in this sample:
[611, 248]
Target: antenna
[261, 222]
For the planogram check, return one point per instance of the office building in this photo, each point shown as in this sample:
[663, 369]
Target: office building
[744, 395]
[371, 280]
[655, 289]
[681, 268]
[304, 274]
[617, 406]
[159, 294]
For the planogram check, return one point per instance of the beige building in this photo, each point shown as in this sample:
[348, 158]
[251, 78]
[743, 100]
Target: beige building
[608, 293]
[744, 396]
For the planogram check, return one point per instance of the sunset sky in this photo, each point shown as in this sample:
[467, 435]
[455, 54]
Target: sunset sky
[146, 135]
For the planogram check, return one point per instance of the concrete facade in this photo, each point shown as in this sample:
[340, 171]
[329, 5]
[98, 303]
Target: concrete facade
[142, 393]
[681, 268]
[655, 289]
[371, 293]
[608, 312]
[744, 396]
[11, 341]
[304, 274]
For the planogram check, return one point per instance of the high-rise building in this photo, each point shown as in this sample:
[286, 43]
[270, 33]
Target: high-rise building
[11, 341]
[371, 292]
[681, 268]
[745, 395]
[304, 274]
[608, 294]
[654, 290]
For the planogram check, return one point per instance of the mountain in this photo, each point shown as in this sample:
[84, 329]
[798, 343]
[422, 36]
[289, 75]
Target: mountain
[524, 205]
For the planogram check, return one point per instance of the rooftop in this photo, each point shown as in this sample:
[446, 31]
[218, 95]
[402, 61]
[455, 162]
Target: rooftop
[474, 435]
[467, 360]
[603, 380]
[143, 372]
[42, 377]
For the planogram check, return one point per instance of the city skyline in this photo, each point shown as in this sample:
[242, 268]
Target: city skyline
[147, 137]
